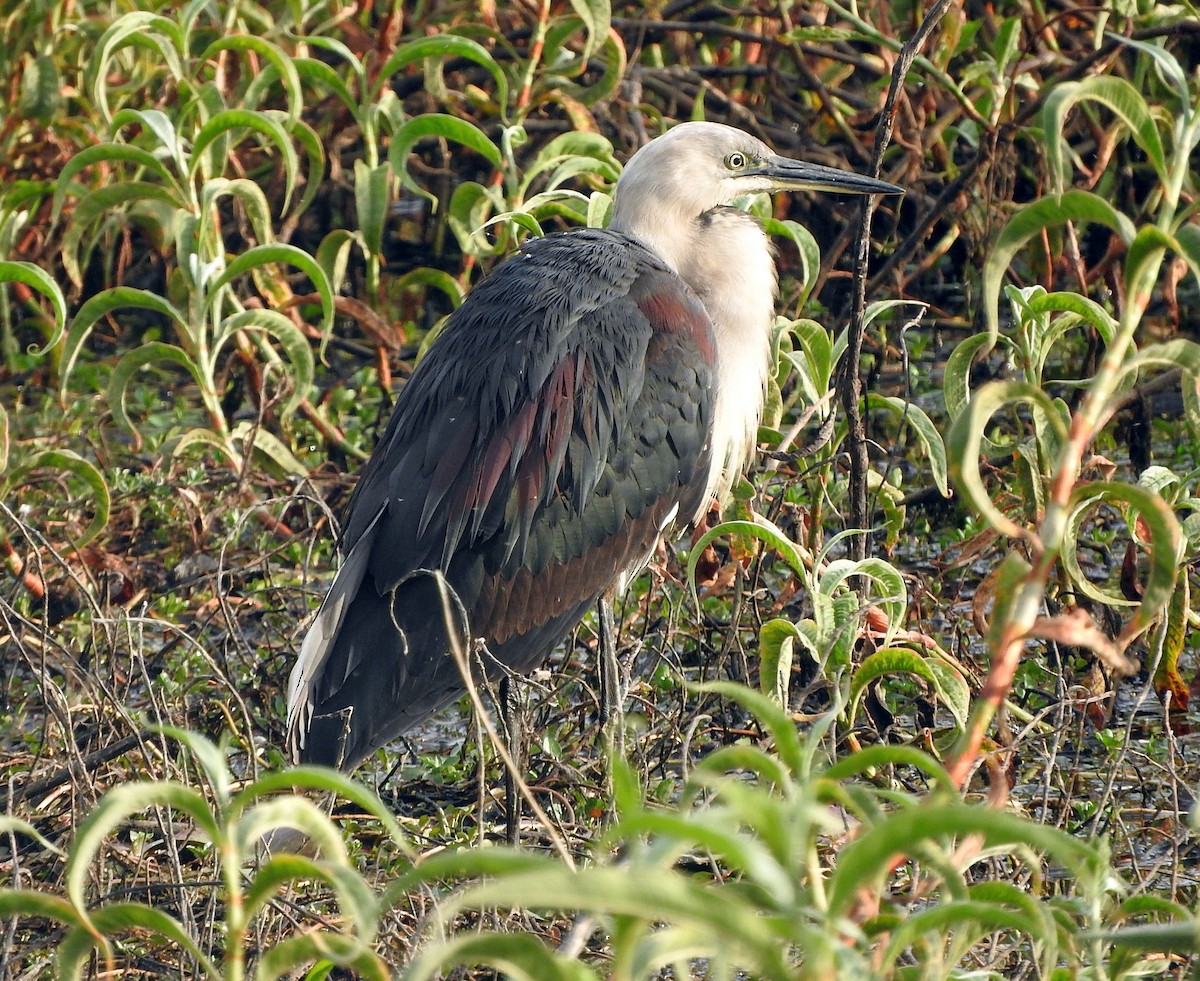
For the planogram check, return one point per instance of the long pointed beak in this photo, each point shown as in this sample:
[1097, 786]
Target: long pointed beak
[787, 174]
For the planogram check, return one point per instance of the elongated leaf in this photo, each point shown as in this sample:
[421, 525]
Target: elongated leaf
[275, 325]
[137, 27]
[242, 190]
[516, 956]
[442, 48]
[100, 306]
[162, 127]
[597, 18]
[1165, 538]
[769, 714]
[890, 660]
[776, 640]
[892, 596]
[762, 529]
[133, 362]
[32, 902]
[117, 806]
[111, 153]
[262, 255]
[270, 446]
[1033, 219]
[69, 462]
[114, 919]
[807, 249]
[372, 203]
[920, 423]
[436, 124]
[206, 438]
[1117, 95]
[275, 57]
[95, 205]
[292, 953]
[38, 279]
[956, 384]
[875, 757]
[967, 433]
[224, 124]
[327, 781]
[862, 863]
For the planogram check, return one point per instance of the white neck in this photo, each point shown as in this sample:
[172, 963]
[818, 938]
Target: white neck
[727, 259]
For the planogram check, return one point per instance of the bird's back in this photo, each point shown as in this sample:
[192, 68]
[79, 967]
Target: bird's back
[556, 426]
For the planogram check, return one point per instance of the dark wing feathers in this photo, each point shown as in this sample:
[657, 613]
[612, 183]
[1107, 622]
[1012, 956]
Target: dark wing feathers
[554, 428]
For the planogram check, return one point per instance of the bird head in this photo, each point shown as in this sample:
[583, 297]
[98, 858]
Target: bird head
[698, 166]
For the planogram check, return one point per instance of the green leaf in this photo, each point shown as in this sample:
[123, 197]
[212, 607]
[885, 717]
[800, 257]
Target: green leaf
[253, 437]
[262, 255]
[1165, 541]
[224, 124]
[159, 125]
[1032, 220]
[372, 203]
[920, 423]
[133, 362]
[140, 28]
[94, 206]
[967, 433]
[807, 249]
[515, 956]
[274, 56]
[290, 337]
[597, 19]
[69, 462]
[776, 639]
[38, 279]
[442, 126]
[762, 529]
[287, 956]
[245, 191]
[442, 48]
[956, 384]
[113, 919]
[114, 809]
[107, 153]
[890, 660]
[1117, 95]
[863, 863]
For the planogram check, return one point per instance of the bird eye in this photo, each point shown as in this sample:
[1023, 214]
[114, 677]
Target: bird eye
[735, 161]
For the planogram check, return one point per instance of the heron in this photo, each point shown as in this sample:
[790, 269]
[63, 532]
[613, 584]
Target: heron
[598, 389]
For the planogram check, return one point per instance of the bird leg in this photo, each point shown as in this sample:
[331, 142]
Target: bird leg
[512, 720]
[614, 678]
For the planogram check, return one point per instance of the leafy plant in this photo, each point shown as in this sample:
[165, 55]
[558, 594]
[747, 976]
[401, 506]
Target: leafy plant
[1054, 457]
[175, 188]
[236, 823]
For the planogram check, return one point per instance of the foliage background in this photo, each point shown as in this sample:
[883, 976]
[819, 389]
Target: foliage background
[227, 231]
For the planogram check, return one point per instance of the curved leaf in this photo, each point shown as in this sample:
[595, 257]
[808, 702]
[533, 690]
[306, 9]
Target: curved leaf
[79, 468]
[436, 124]
[275, 57]
[130, 364]
[278, 252]
[137, 27]
[223, 124]
[292, 339]
[922, 425]
[103, 304]
[967, 433]
[443, 47]
[1031, 220]
[1119, 97]
[105, 153]
[38, 279]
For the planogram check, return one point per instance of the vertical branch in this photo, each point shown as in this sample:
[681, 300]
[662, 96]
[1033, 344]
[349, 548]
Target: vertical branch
[850, 379]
